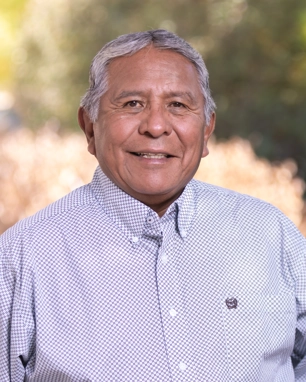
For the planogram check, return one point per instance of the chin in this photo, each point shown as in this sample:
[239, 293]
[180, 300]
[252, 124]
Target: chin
[155, 190]
[145, 186]
[152, 191]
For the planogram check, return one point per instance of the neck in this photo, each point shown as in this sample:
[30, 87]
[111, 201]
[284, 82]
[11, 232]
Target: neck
[160, 207]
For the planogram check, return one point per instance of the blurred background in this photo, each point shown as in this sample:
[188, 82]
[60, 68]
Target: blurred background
[255, 51]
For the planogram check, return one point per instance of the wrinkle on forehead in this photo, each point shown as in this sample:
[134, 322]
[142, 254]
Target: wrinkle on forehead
[150, 71]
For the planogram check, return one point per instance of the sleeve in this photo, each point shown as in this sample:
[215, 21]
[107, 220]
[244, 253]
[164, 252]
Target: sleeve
[295, 252]
[16, 336]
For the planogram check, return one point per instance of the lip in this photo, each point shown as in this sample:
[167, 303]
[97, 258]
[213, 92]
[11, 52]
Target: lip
[152, 154]
[152, 160]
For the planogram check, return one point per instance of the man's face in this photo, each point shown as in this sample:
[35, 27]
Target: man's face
[151, 132]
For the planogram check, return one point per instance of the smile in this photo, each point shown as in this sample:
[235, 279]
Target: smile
[152, 156]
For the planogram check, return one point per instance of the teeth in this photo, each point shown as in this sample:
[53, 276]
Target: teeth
[150, 155]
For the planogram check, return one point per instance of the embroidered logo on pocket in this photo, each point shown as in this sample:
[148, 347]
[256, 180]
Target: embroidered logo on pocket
[231, 303]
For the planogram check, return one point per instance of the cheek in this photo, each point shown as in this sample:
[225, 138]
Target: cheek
[110, 146]
[193, 143]
[115, 131]
[103, 138]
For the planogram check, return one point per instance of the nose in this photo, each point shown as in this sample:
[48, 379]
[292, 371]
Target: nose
[155, 122]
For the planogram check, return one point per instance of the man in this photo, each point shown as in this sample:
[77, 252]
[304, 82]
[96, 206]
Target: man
[146, 274]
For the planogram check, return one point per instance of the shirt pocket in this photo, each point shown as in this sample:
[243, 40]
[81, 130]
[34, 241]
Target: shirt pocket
[260, 331]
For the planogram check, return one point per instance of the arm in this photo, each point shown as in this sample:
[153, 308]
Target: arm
[295, 250]
[15, 335]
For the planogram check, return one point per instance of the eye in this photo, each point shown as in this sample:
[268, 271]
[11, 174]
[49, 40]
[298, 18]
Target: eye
[133, 103]
[178, 104]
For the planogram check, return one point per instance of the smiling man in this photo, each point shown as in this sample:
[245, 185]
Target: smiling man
[151, 131]
[146, 274]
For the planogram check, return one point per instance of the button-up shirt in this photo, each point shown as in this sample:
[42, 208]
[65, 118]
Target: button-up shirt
[98, 287]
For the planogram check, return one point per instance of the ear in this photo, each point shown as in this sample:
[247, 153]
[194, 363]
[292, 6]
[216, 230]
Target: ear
[209, 129]
[87, 126]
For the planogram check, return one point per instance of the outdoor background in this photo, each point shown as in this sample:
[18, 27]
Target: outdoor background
[255, 51]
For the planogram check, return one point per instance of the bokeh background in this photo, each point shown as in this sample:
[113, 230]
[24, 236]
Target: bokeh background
[255, 51]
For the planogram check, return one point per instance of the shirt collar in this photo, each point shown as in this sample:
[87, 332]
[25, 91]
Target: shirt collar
[130, 215]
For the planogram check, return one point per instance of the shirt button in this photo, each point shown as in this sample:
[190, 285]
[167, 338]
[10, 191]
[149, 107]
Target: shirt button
[164, 259]
[183, 233]
[182, 366]
[135, 239]
[173, 312]
[150, 219]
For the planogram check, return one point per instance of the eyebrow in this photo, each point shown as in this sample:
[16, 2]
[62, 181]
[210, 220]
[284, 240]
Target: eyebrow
[128, 93]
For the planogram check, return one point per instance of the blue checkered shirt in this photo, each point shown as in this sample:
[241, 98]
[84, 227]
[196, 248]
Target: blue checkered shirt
[97, 287]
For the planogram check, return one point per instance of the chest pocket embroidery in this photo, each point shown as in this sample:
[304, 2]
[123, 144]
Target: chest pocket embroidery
[231, 303]
[259, 330]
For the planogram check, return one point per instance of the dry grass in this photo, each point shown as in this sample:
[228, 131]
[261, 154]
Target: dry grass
[234, 165]
[36, 169]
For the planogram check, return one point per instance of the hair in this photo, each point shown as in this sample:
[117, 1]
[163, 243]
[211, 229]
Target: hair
[129, 44]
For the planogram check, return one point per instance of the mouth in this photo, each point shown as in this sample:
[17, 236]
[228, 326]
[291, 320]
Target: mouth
[152, 155]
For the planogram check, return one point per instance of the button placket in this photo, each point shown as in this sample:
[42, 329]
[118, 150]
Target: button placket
[150, 219]
[173, 318]
[182, 366]
[183, 233]
[164, 259]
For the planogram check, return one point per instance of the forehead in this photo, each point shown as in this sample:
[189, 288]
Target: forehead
[155, 68]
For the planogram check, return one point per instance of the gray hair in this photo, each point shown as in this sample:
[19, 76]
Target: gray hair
[129, 44]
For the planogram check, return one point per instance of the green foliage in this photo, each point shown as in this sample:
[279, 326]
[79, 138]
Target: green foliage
[258, 74]
[60, 37]
[10, 16]
[255, 51]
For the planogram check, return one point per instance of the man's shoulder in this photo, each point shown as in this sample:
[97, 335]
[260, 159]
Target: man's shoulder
[72, 203]
[223, 200]
[212, 191]
[227, 210]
